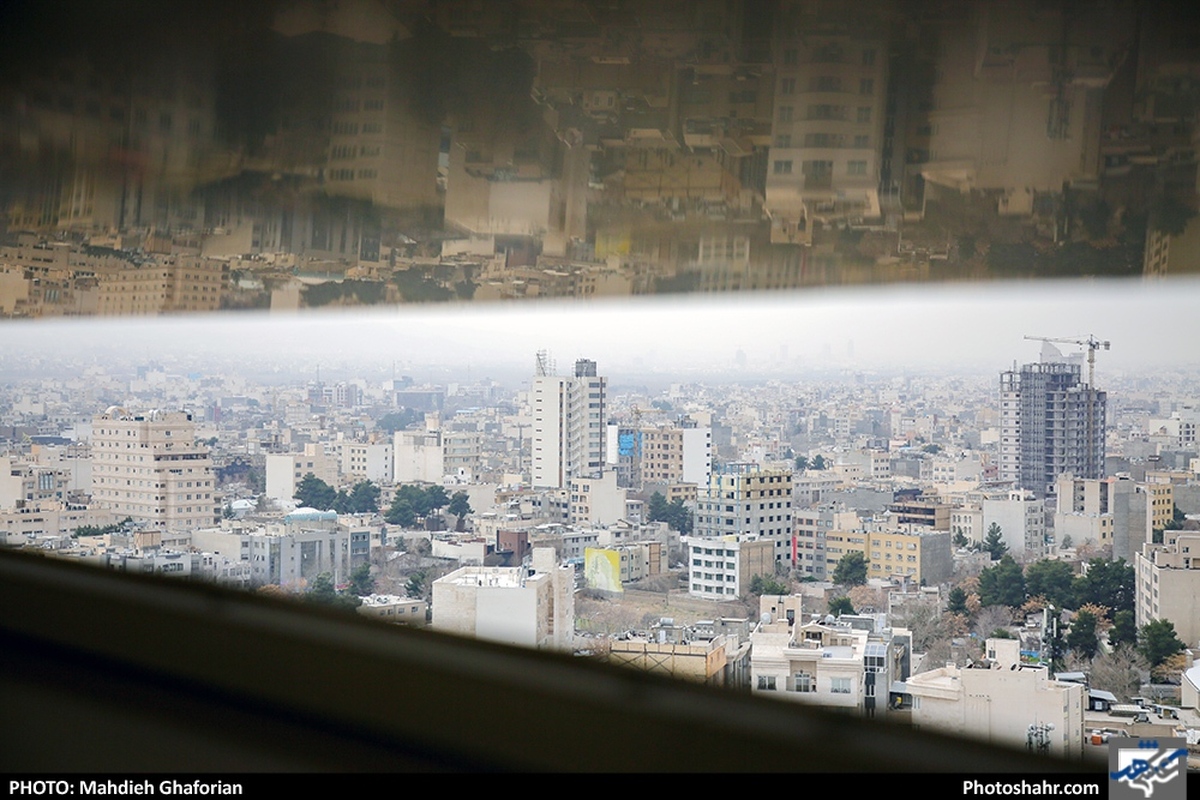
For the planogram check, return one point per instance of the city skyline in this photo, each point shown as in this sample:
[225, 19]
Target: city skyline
[881, 328]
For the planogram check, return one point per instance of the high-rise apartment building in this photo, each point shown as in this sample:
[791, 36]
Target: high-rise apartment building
[568, 424]
[745, 500]
[1051, 423]
[148, 466]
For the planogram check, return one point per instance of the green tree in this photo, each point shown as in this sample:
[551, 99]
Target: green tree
[1123, 630]
[1002, 584]
[994, 543]
[1106, 583]
[1157, 641]
[851, 569]
[960, 538]
[460, 505]
[760, 586]
[657, 508]
[801, 463]
[416, 584]
[315, 493]
[364, 498]
[361, 582]
[818, 462]
[956, 602]
[1082, 638]
[321, 590]
[841, 605]
[436, 497]
[680, 517]
[1053, 580]
[401, 512]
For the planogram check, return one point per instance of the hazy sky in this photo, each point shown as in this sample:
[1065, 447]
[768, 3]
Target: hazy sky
[970, 327]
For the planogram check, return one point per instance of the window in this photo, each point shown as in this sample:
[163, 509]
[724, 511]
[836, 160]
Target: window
[862, 141]
[866, 86]
[864, 114]
[787, 86]
[868, 58]
[766, 683]
[839, 685]
[782, 168]
[785, 113]
[826, 83]
[857, 168]
[803, 681]
[790, 57]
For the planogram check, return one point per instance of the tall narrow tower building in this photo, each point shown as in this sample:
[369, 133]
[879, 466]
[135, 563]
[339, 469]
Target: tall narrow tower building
[568, 423]
[1052, 423]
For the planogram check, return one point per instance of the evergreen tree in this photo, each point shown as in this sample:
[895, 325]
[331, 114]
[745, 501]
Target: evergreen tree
[460, 505]
[1082, 638]
[841, 605]
[956, 602]
[1157, 641]
[1053, 580]
[1106, 583]
[1003, 584]
[656, 509]
[315, 493]
[851, 569]
[1123, 631]
[994, 543]
[361, 582]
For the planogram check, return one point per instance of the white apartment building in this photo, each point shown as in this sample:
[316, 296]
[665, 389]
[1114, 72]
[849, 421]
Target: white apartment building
[597, 501]
[568, 424]
[304, 545]
[147, 466]
[530, 606]
[285, 471]
[1168, 584]
[743, 499]
[998, 705]
[366, 461]
[722, 568]
[833, 666]
[1022, 521]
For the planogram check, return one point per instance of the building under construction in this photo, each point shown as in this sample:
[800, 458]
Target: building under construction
[1052, 423]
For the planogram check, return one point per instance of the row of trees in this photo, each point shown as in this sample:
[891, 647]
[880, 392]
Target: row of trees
[363, 497]
[1106, 584]
[410, 504]
[413, 503]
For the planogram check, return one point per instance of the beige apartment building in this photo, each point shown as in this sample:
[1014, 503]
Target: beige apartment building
[1168, 584]
[147, 465]
[1000, 703]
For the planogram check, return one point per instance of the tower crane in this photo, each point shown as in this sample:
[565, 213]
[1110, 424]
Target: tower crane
[1092, 344]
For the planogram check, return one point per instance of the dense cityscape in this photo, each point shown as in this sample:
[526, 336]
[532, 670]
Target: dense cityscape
[882, 400]
[870, 536]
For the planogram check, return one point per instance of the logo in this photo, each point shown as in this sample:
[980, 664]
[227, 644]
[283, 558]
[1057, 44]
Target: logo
[1139, 769]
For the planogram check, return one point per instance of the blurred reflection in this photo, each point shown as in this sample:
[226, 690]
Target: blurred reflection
[178, 157]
